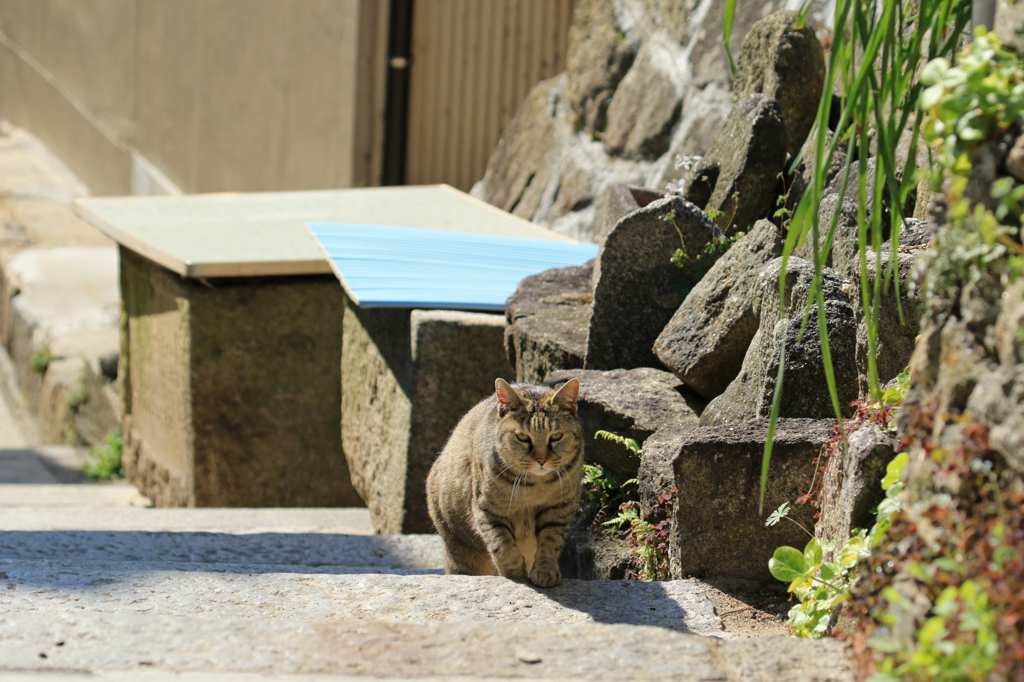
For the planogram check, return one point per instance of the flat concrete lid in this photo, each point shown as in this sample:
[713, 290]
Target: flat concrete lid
[263, 234]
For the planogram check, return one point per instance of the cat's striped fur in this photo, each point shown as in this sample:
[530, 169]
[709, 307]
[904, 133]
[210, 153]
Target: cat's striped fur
[507, 483]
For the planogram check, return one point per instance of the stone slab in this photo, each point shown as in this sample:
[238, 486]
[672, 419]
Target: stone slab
[200, 644]
[262, 233]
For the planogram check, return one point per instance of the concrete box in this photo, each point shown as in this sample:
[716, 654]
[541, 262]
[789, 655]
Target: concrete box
[407, 378]
[230, 388]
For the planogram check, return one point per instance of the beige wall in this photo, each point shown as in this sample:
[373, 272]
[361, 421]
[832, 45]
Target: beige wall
[249, 95]
[219, 95]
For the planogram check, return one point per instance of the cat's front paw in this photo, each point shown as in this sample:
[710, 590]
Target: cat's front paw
[545, 577]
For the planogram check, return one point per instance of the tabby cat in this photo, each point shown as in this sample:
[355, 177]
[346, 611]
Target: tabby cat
[506, 486]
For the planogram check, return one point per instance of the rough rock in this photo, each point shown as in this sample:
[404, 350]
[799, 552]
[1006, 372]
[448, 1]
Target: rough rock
[705, 341]
[1009, 24]
[894, 338]
[709, 62]
[645, 106]
[521, 163]
[616, 203]
[716, 527]
[656, 476]
[547, 322]
[632, 403]
[1015, 159]
[996, 397]
[787, 63]
[590, 555]
[704, 125]
[852, 484]
[913, 233]
[407, 378]
[751, 148]
[695, 180]
[636, 286]
[597, 59]
[844, 257]
[805, 392]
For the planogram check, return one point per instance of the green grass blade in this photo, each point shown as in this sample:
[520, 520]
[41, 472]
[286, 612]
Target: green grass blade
[730, 12]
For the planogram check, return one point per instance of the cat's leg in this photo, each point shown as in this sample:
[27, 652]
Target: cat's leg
[551, 527]
[496, 532]
[467, 562]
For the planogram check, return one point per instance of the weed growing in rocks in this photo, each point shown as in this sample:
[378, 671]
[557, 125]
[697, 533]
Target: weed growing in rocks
[41, 359]
[604, 493]
[824, 586]
[105, 460]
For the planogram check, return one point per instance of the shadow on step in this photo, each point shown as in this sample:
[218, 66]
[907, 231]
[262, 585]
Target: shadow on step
[229, 552]
[675, 605]
[43, 466]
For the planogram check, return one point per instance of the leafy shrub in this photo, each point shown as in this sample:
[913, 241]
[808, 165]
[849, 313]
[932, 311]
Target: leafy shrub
[105, 460]
[823, 586]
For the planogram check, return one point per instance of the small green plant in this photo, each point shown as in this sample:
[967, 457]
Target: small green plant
[603, 491]
[41, 360]
[650, 541]
[74, 398]
[784, 214]
[105, 460]
[629, 443]
[823, 586]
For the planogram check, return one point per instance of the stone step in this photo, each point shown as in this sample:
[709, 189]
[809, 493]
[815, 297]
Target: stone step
[89, 515]
[263, 592]
[255, 549]
[151, 647]
[52, 494]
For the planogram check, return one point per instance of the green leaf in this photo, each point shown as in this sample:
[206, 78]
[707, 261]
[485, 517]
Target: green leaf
[788, 564]
[934, 71]
[812, 552]
[894, 470]
[851, 551]
[730, 12]
[778, 514]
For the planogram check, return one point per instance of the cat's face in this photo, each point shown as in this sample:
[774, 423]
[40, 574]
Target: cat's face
[538, 431]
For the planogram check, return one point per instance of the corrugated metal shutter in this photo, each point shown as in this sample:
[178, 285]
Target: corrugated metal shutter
[473, 62]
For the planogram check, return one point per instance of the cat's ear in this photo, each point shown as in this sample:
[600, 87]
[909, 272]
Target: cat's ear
[508, 399]
[567, 395]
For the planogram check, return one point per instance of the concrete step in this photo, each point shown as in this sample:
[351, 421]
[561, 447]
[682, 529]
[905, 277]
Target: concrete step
[48, 513]
[152, 646]
[251, 549]
[260, 592]
[64, 496]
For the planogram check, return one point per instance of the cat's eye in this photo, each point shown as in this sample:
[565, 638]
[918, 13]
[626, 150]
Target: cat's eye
[522, 439]
[555, 437]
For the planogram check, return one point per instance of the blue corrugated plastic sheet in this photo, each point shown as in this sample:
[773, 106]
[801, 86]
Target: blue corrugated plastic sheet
[384, 266]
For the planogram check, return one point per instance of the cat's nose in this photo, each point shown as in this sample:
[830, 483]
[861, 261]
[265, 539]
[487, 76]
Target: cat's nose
[541, 461]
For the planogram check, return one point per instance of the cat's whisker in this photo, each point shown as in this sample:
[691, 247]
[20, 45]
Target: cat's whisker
[499, 473]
